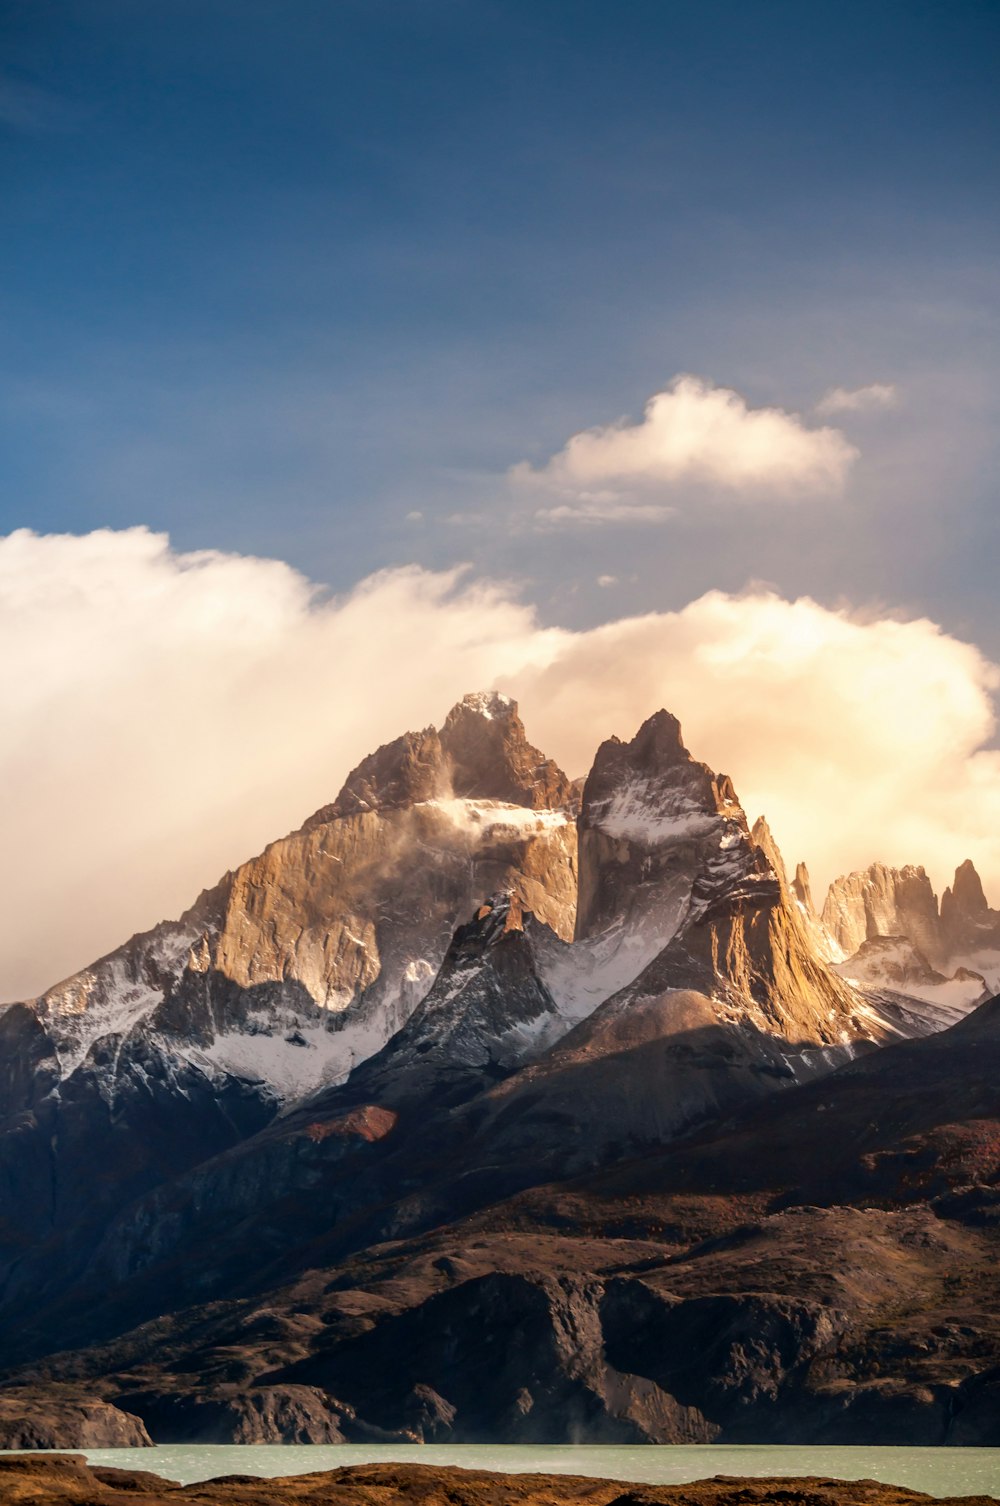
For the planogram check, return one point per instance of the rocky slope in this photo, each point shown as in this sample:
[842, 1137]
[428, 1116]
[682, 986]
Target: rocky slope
[820, 1267]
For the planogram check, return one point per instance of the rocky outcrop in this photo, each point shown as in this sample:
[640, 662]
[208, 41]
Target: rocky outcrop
[652, 821]
[481, 752]
[882, 901]
[39, 1419]
[968, 925]
[802, 889]
[515, 1357]
[258, 1414]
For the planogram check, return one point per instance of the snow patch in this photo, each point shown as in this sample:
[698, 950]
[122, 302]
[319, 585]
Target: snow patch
[294, 1063]
[489, 704]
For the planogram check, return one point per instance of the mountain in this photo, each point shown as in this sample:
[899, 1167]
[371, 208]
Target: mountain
[308, 957]
[884, 901]
[969, 928]
[887, 934]
[302, 962]
[395, 1089]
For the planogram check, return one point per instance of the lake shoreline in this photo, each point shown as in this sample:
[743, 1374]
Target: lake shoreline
[661, 1475]
[33, 1479]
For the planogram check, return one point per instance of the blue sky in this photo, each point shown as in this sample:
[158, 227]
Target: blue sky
[274, 276]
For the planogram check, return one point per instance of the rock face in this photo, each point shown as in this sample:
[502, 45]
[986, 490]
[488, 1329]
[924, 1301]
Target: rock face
[885, 901]
[525, 1358]
[651, 819]
[32, 1419]
[261, 1414]
[487, 1013]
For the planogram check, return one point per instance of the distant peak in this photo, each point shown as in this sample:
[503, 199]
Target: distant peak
[967, 889]
[802, 888]
[661, 734]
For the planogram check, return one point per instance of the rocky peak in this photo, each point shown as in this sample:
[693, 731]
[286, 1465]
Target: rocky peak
[763, 840]
[883, 901]
[481, 753]
[487, 1012]
[965, 900]
[655, 827]
[802, 889]
[967, 922]
[488, 756]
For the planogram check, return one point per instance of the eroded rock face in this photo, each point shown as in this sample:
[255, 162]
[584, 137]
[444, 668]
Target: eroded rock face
[231, 1414]
[35, 1419]
[882, 901]
[516, 1357]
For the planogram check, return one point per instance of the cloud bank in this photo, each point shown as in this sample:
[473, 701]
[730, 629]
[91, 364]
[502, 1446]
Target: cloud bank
[695, 433]
[168, 714]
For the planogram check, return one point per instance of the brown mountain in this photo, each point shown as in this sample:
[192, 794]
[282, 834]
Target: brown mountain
[562, 1119]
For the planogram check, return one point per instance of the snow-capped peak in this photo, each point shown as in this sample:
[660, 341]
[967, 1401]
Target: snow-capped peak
[490, 704]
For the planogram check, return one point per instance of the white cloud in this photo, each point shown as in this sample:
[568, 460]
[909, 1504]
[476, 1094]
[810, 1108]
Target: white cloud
[165, 715]
[690, 433]
[856, 399]
[607, 580]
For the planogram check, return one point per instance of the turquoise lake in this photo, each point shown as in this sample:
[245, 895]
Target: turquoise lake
[938, 1471]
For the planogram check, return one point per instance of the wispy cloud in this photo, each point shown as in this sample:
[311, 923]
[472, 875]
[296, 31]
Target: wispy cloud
[856, 399]
[691, 433]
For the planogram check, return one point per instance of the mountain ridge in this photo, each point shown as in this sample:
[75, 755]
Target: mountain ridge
[529, 983]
